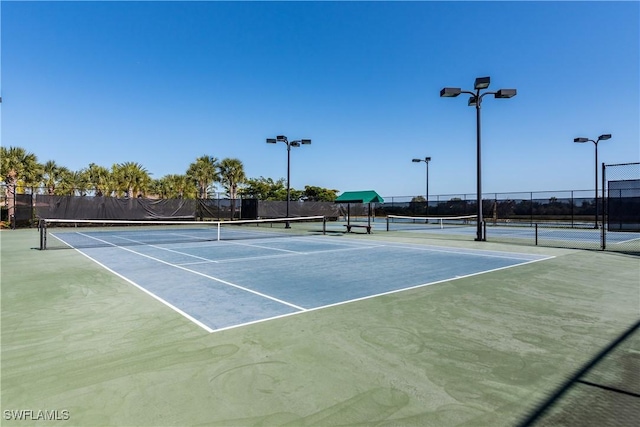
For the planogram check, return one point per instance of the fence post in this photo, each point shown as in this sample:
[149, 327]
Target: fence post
[531, 207]
[605, 206]
[572, 210]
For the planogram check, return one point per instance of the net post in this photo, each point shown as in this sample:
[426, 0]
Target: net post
[536, 234]
[218, 227]
[42, 226]
[387, 222]
[324, 225]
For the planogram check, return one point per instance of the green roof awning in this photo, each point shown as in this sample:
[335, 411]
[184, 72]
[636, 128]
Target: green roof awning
[368, 196]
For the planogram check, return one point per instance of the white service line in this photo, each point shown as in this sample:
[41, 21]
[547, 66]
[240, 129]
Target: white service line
[229, 242]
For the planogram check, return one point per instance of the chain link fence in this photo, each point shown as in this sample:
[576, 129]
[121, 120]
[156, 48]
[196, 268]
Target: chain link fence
[580, 219]
[574, 207]
[621, 207]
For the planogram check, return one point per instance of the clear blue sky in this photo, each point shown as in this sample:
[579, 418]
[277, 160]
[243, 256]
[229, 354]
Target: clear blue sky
[162, 83]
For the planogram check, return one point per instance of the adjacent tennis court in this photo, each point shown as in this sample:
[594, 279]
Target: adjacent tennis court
[466, 226]
[225, 283]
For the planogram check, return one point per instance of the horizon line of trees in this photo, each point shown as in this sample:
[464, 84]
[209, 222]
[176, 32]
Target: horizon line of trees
[21, 172]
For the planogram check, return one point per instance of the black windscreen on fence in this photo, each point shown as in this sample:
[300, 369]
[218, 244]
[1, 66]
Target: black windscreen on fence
[624, 205]
[97, 207]
[22, 210]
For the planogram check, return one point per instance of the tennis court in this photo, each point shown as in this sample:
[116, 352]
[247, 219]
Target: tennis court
[224, 283]
[309, 329]
[466, 226]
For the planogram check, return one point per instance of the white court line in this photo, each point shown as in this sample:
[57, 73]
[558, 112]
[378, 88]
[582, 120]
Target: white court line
[342, 242]
[222, 261]
[477, 252]
[624, 241]
[381, 294]
[473, 252]
[355, 245]
[219, 280]
[208, 260]
[205, 260]
[260, 246]
[165, 249]
[245, 259]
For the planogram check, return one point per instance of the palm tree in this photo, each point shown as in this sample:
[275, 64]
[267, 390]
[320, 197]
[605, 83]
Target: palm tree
[66, 182]
[75, 183]
[33, 178]
[204, 172]
[174, 187]
[16, 164]
[231, 175]
[99, 178]
[130, 178]
[52, 173]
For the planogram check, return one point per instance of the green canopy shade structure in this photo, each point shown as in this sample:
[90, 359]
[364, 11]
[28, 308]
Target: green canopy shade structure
[367, 196]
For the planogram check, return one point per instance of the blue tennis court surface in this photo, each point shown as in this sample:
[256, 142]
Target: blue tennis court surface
[224, 284]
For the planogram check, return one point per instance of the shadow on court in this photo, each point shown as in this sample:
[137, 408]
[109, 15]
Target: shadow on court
[604, 392]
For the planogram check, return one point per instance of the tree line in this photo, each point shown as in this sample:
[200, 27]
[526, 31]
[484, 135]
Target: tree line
[22, 173]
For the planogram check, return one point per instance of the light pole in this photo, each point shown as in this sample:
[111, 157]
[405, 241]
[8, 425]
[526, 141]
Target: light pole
[476, 101]
[603, 137]
[297, 143]
[426, 160]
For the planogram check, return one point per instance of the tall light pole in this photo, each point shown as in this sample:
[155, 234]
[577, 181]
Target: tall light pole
[426, 160]
[297, 143]
[476, 101]
[603, 137]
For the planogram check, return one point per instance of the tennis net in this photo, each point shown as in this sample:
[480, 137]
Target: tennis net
[69, 233]
[421, 223]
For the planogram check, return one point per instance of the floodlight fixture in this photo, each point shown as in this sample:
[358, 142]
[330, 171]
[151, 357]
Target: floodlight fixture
[426, 160]
[602, 137]
[289, 144]
[482, 83]
[476, 101]
[450, 92]
[505, 93]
